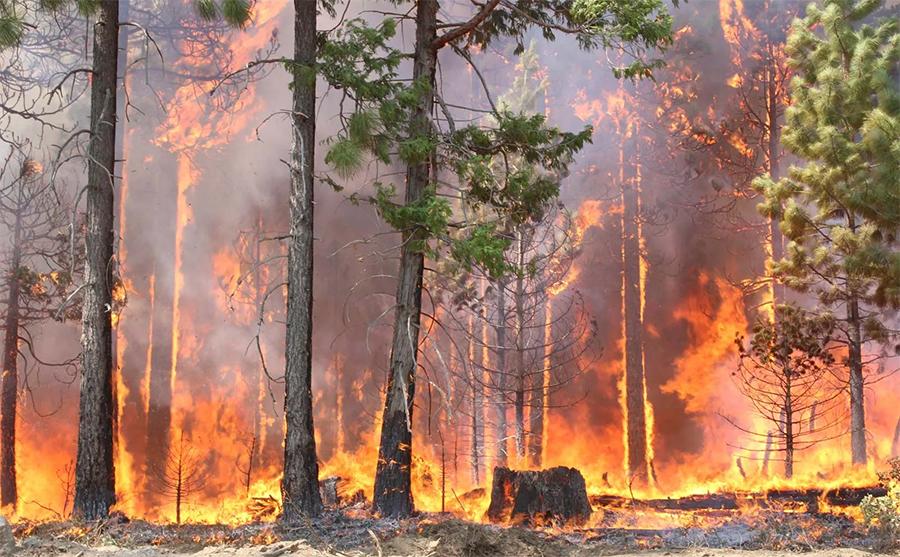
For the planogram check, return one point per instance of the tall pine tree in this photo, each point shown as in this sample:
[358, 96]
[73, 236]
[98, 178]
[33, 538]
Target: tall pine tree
[840, 209]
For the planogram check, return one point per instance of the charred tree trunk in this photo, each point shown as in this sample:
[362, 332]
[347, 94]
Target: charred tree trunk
[94, 469]
[300, 484]
[9, 385]
[538, 498]
[631, 300]
[393, 496]
[857, 384]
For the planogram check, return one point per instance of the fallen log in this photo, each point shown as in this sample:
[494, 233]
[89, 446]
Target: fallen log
[556, 496]
[808, 499]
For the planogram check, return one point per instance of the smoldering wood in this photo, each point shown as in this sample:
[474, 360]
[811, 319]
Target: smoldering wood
[555, 496]
[336, 494]
[806, 499]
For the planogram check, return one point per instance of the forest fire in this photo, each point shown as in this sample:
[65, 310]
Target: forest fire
[632, 327]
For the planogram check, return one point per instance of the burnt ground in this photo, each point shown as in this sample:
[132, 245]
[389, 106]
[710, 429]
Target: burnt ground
[765, 534]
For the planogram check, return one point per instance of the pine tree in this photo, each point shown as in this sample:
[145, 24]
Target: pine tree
[397, 124]
[300, 482]
[840, 210]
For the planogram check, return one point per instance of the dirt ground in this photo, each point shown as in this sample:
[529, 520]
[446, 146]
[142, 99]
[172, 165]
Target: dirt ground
[337, 535]
[424, 549]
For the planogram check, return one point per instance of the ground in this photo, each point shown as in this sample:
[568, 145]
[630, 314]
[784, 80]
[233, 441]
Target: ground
[339, 535]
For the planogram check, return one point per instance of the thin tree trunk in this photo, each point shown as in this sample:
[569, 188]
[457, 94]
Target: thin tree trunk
[538, 406]
[94, 469]
[857, 385]
[502, 458]
[10, 382]
[300, 484]
[638, 469]
[895, 443]
[774, 158]
[520, 347]
[788, 430]
[393, 495]
[476, 401]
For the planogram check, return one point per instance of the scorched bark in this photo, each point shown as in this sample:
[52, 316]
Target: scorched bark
[393, 495]
[300, 484]
[94, 468]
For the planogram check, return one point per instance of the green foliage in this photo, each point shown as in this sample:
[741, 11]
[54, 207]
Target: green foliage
[429, 216]
[507, 167]
[235, 12]
[840, 211]
[794, 343]
[483, 245]
[11, 28]
[636, 26]
[882, 514]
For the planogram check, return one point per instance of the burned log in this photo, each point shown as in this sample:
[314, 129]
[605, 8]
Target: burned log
[805, 499]
[335, 493]
[556, 496]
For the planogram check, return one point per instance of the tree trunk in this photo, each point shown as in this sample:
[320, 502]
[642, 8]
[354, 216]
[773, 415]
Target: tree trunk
[300, 484]
[538, 392]
[476, 401]
[9, 386]
[94, 469]
[393, 496]
[521, 341]
[857, 385]
[774, 158]
[788, 430]
[638, 469]
[500, 396]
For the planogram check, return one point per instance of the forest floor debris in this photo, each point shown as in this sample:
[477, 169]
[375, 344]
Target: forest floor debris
[336, 534]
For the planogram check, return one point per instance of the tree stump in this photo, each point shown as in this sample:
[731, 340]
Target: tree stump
[556, 496]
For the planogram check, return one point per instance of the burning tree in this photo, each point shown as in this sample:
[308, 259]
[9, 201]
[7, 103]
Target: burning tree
[527, 339]
[37, 280]
[183, 474]
[424, 215]
[785, 371]
[840, 210]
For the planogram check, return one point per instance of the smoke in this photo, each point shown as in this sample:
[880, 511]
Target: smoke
[204, 194]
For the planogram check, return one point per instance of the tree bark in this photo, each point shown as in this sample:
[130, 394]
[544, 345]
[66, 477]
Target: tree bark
[393, 496]
[521, 372]
[477, 400]
[634, 355]
[857, 384]
[500, 434]
[788, 429]
[300, 484]
[10, 381]
[538, 406]
[94, 467]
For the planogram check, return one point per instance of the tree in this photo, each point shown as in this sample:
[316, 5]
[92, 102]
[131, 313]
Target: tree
[95, 490]
[182, 474]
[300, 482]
[840, 210]
[36, 281]
[785, 371]
[423, 216]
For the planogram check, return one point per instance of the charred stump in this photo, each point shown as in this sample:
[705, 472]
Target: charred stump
[554, 496]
